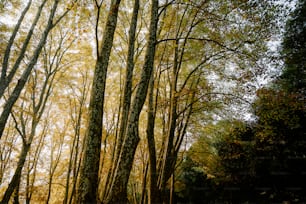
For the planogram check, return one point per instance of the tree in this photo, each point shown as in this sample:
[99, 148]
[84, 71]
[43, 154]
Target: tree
[193, 50]
[280, 138]
[118, 191]
[77, 114]
[88, 183]
[236, 159]
[126, 96]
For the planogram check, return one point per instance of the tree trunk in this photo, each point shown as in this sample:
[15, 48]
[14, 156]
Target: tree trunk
[88, 183]
[127, 95]
[74, 152]
[118, 193]
[154, 196]
[16, 194]
[171, 199]
[168, 148]
[144, 184]
[173, 135]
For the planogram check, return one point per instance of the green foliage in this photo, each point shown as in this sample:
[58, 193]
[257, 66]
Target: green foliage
[278, 108]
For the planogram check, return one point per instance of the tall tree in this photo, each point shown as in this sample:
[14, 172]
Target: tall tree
[88, 183]
[127, 93]
[153, 194]
[118, 191]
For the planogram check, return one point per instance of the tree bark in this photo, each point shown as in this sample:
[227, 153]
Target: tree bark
[127, 94]
[118, 193]
[88, 183]
[154, 196]
[129, 76]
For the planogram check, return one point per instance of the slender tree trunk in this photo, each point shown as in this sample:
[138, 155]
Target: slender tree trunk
[33, 166]
[53, 165]
[144, 184]
[88, 183]
[74, 154]
[171, 199]
[5, 153]
[76, 171]
[49, 188]
[154, 196]
[118, 193]
[166, 162]
[127, 94]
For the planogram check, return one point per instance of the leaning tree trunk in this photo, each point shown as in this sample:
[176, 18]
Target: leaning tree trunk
[118, 193]
[88, 183]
